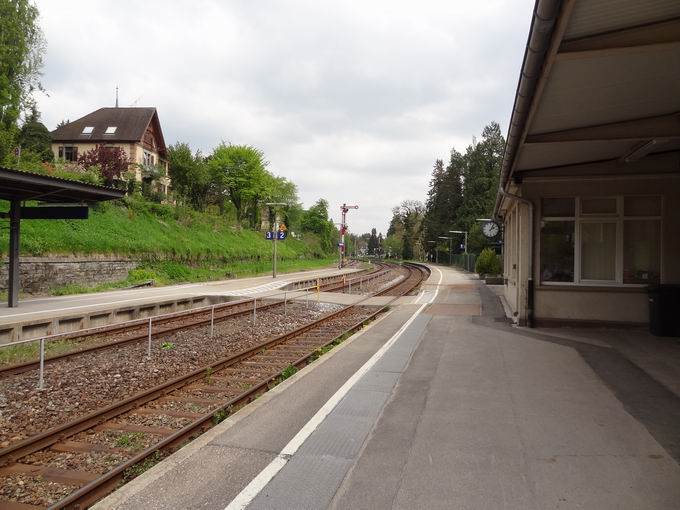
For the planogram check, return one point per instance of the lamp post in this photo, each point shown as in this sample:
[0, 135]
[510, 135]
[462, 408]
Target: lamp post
[450, 239]
[436, 253]
[467, 259]
[276, 234]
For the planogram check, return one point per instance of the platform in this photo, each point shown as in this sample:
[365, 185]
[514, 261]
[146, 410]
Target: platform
[439, 404]
[50, 315]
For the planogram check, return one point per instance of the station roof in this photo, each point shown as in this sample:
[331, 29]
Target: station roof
[600, 83]
[18, 185]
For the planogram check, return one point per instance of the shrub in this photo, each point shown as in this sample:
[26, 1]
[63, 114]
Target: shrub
[488, 262]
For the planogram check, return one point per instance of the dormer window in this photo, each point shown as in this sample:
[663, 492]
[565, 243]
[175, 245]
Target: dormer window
[111, 130]
[87, 130]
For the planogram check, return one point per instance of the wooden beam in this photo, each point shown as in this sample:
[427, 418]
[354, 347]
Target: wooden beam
[662, 126]
[662, 32]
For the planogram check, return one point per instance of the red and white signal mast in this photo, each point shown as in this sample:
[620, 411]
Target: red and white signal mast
[344, 208]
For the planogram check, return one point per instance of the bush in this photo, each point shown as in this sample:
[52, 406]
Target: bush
[488, 262]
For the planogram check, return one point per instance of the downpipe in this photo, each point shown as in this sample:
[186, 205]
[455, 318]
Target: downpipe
[530, 280]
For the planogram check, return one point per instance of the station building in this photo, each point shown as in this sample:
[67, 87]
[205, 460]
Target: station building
[590, 185]
[135, 130]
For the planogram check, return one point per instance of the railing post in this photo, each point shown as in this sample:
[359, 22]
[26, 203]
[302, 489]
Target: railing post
[41, 379]
[148, 352]
[254, 311]
[350, 286]
[212, 321]
[307, 298]
[285, 304]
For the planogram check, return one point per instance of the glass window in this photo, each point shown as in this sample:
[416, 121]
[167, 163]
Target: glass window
[557, 251]
[598, 251]
[642, 206]
[87, 130]
[110, 130]
[598, 206]
[558, 207]
[641, 251]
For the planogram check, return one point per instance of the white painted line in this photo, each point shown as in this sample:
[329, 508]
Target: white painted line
[250, 491]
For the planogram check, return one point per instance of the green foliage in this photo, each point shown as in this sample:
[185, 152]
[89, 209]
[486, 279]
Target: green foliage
[465, 190]
[21, 56]
[315, 220]
[35, 137]
[220, 416]
[287, 372]
[488, 262]
[191, 179]
[239, 171]
[167, 346]
[132, 440]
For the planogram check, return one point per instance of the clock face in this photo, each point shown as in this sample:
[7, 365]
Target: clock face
[490, 229]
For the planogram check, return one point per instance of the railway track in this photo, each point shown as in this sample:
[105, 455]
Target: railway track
[77, 463]
[171, 323]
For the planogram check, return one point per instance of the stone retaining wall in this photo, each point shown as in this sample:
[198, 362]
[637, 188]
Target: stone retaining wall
[40, 274]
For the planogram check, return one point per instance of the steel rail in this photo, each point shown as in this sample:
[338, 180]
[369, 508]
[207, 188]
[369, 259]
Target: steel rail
[27, 366]
[96, 489]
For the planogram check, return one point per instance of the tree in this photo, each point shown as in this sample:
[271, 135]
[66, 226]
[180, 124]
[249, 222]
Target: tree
[21, 57]
[316, 220]
[239, 172]
[112, 162]
[373, 242]
[191, 178]
[35, 137]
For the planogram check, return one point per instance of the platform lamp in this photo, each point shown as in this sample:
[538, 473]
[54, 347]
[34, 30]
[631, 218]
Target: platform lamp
[467, 259]
[436, 253]
[276, 234]
[450, 239]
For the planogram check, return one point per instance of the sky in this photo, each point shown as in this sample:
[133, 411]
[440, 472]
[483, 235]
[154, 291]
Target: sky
[353, 100]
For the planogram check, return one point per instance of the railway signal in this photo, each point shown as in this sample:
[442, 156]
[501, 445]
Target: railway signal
[344, 208]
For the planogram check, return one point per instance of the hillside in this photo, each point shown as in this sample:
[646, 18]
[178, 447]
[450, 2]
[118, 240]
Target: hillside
[173, 244]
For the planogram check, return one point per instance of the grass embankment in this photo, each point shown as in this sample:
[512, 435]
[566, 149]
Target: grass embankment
[173, 245]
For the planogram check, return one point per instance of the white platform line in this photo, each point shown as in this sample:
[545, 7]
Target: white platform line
[246, 496]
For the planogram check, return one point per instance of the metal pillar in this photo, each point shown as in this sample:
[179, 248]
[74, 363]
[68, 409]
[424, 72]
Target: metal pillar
[14, 229]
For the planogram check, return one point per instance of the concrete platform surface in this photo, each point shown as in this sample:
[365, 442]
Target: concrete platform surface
[439, 405]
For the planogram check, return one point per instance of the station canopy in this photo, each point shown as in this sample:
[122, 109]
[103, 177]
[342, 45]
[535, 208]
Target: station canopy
[600, 86]
[72, 196]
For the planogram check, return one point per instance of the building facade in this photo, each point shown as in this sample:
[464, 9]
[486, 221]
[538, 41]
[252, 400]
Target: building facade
[590, 186]
[137, 131]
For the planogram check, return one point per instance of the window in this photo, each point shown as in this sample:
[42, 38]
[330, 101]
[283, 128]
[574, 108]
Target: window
[87, 130]
[111, 130]
[601, 240]
[149, 159]
[68, 153]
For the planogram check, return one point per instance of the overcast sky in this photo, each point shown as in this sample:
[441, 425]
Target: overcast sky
[351, 100]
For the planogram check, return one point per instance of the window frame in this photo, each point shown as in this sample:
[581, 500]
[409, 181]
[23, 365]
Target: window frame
[618, 218]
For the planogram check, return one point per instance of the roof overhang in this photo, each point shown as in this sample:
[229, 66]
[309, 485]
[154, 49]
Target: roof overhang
[18, 185]
[600, 82]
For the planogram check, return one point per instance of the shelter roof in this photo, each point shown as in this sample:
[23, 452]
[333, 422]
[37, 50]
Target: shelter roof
[18, 185]
[600, 82]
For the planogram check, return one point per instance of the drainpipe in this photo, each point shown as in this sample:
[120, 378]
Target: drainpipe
[530, 280]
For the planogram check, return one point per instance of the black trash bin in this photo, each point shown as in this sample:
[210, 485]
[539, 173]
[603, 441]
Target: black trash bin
[664, 310]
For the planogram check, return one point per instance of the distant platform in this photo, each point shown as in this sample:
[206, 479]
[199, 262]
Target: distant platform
[43, 316]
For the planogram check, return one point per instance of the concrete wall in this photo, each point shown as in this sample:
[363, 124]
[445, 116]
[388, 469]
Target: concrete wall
[40, 274]
[592, 303]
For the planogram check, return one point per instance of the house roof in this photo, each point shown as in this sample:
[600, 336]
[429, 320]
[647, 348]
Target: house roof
[600, 82]
[18, 185]
[130, 124]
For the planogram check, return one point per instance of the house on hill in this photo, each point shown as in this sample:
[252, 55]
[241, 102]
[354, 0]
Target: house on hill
[137, 131]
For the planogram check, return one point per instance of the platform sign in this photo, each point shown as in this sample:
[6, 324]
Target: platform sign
[280, 236]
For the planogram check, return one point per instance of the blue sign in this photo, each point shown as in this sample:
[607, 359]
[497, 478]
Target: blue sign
[279, 236]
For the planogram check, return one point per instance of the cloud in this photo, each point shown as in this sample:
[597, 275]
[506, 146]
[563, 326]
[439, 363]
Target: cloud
[353, 101]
